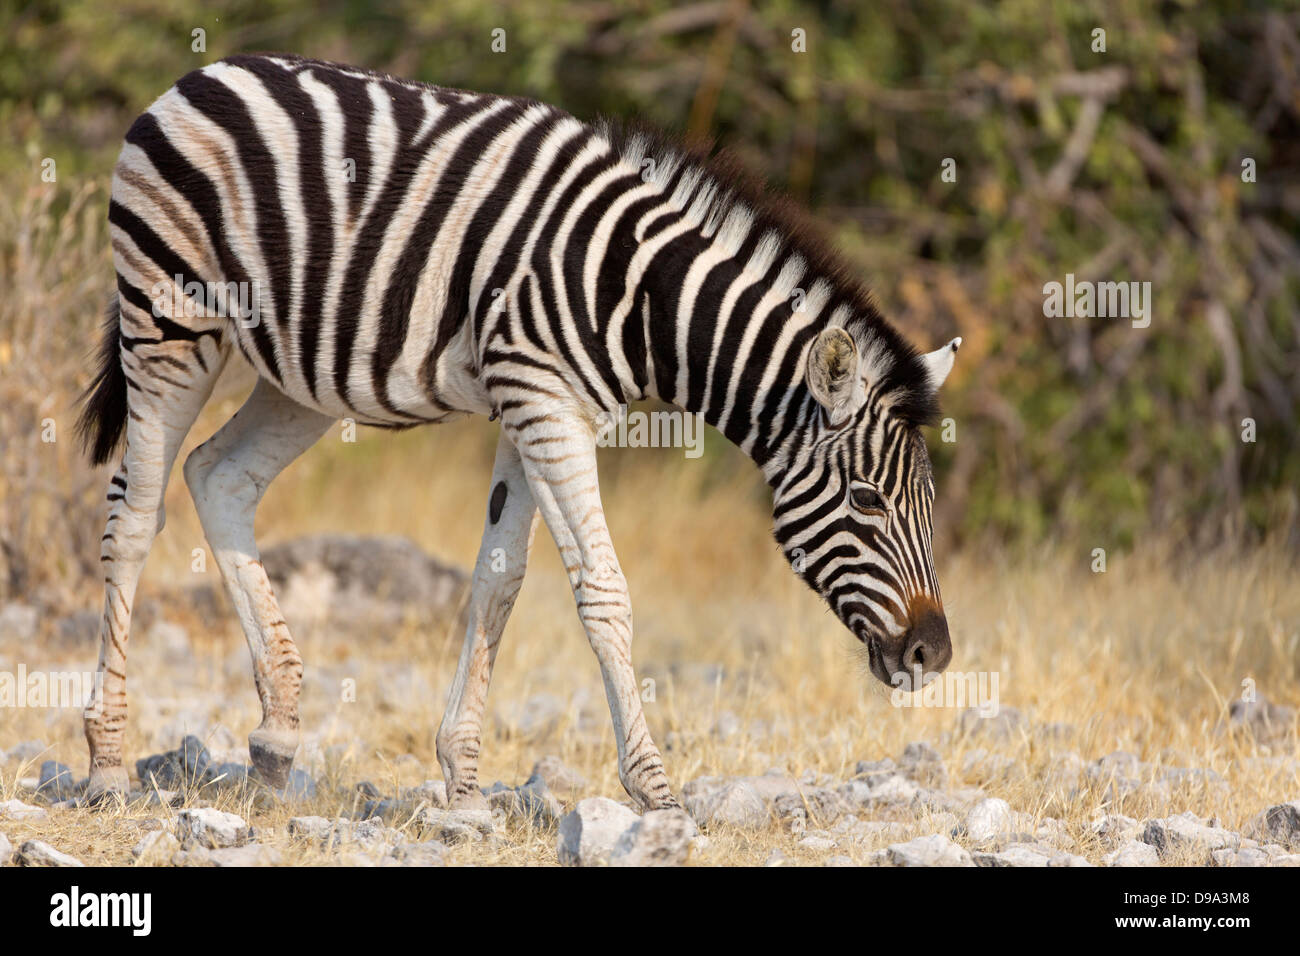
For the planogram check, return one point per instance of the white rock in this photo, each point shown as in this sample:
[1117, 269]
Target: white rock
[1186, 831]
[1028, 855]
[211, 828]
[196, 856]
[435, 791]
[1018, 855]
[856, 793]
[1116, 828]
[988, 820]
[1133, 853]
[560, 778]
[589, 832]
[457, 826]
[36, 853]
[773, 787]
[6, 849]
[736, 804]
[156, 849]
[369, 834]
[871, 832]
[894, 789]
[311, 828]
[428, 853]
[1069, 859]
[1246, 856]
[251, 854]
[933, 850]
[17, 810]
[533, 803]
[816, 844]
[659, 838]
[1278, 824]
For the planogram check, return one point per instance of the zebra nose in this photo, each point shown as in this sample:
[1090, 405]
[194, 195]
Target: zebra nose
[928, 647]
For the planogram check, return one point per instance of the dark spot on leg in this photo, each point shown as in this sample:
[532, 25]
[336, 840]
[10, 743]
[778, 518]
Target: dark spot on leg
[498, 502]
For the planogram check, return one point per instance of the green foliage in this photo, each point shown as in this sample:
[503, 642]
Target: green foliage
[1085, 426]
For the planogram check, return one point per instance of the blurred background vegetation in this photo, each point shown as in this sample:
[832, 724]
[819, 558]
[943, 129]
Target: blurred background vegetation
[1123, 164]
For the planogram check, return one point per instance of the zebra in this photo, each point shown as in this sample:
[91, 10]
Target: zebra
[420, 254]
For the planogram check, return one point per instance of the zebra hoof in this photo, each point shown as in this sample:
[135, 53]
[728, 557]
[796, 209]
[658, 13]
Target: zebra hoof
[107, 787]
[272, 754]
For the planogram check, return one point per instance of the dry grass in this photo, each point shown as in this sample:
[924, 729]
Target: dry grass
[1141, 658]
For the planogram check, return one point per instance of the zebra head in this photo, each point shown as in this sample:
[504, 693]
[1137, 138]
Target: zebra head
[853, 509]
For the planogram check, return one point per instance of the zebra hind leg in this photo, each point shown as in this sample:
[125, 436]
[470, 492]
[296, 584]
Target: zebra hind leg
[168, 383]
[227, 477]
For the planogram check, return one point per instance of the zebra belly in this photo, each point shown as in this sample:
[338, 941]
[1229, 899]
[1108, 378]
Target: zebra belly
[416, 390]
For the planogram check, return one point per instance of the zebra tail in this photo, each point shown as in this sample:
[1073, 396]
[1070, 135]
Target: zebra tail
[102, 423]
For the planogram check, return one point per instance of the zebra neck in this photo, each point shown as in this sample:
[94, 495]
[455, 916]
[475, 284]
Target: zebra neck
[726, 342]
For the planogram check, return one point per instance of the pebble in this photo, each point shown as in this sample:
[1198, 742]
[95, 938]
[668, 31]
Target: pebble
[735, 804]
[457, 826]
[590, 831]
[427, 853]
[156, 849]
[1133, 853]
[211, 828]
[1027, 855]
[658, 838]
[988, 820]
[250, 854]
[817, 844]
[1278, 824]
[36, 853]
[933, 850]
[1186, 831]
[17, 810]
[531, 803]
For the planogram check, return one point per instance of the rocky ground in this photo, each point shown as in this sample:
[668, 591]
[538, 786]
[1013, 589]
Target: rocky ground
[1095, 756]
[902, 811]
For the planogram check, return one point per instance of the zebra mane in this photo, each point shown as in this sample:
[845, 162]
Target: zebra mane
[729, 202]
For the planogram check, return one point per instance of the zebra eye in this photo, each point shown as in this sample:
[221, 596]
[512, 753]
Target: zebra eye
[869, 500]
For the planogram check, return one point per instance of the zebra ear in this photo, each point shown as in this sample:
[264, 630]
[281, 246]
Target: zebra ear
[833, 372]
[939, 362]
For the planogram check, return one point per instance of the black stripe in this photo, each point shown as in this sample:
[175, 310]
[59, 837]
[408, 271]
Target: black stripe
[224, 107]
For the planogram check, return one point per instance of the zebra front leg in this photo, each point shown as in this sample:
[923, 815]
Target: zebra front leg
[227, 476]
[559, 458]
[498, 573]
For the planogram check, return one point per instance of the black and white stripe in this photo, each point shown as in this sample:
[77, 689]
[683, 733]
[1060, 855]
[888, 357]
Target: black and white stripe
[422, 253]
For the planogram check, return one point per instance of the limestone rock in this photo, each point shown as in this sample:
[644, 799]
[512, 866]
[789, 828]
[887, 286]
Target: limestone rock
[156, 849]
[933, 850]
[1133, 853]
[658, 838]
[36, 853]
[211, 828]
[590, 831]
